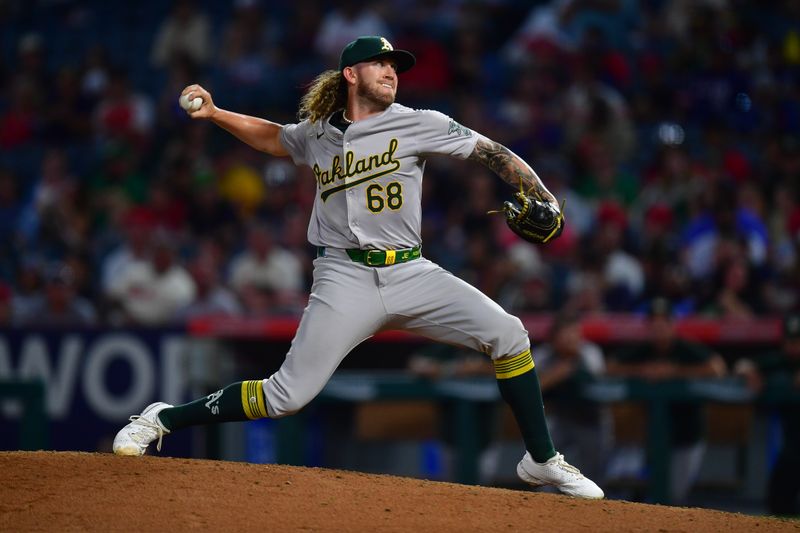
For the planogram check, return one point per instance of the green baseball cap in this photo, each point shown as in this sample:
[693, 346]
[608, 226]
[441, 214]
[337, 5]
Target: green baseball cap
[372, 47]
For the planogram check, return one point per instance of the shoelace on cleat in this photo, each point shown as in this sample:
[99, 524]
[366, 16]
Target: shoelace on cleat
[561, 463]
[137, 419]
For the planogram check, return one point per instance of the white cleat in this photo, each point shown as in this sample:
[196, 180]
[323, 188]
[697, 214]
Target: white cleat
[143, 429]
[560, 474]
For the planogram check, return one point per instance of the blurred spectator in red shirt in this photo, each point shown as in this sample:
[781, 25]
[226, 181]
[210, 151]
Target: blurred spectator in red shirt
[6, 305]
[10, 210]
[124, 114]
[429, 80]
[20, 123]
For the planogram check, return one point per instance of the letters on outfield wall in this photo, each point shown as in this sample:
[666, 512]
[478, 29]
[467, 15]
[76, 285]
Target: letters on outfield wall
[94, 380]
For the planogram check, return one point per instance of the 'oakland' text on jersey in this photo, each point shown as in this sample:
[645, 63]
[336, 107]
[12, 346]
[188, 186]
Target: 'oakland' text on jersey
[369, 178]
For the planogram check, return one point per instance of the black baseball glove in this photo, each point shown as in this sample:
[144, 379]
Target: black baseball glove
[535, 220]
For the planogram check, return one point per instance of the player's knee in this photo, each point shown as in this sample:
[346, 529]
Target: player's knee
[513, 332]
[515, 328]
[511, 337]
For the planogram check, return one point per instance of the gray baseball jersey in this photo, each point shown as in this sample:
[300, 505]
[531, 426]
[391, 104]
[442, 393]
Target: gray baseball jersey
[369, 178]
[369, 185]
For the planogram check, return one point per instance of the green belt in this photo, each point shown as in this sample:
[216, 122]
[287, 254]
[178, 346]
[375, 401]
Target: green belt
[379, 258]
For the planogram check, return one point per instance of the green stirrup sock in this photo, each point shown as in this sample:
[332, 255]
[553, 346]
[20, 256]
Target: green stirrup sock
[243, 400]
[519, 387]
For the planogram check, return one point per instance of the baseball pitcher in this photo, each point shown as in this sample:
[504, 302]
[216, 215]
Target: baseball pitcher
[368, 155]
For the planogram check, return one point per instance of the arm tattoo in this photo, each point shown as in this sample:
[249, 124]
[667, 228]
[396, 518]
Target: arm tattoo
[510, 167]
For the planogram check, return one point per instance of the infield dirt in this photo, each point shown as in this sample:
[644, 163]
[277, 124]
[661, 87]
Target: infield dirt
[69, 491]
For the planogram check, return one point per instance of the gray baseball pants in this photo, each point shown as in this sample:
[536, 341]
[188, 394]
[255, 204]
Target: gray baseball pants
[350, 302]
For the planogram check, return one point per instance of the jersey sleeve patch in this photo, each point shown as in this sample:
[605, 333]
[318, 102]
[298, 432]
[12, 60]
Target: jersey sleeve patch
[457, 130]
[439, 134]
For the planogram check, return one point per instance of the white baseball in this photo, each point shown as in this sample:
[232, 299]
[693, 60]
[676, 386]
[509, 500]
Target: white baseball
[188, 104]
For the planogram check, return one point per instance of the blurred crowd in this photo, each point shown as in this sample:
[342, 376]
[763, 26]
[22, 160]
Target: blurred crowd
[670, 127]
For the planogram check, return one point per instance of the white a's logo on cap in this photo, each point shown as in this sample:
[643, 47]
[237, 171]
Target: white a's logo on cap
[387, 46]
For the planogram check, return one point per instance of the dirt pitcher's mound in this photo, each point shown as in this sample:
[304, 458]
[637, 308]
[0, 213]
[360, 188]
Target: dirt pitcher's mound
[50, 491]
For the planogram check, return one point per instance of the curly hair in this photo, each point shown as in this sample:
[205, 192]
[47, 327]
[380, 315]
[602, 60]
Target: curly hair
[326, 94]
